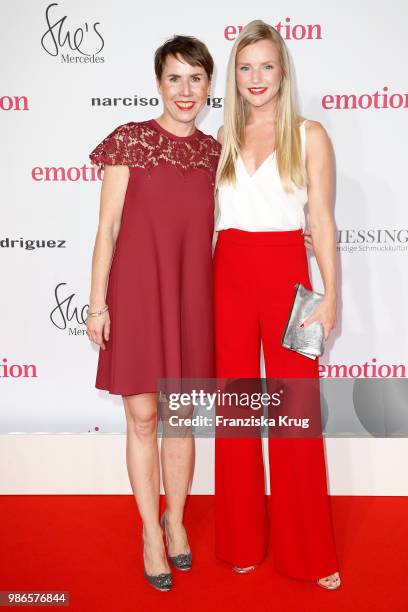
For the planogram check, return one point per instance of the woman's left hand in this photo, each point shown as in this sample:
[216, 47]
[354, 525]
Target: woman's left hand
[308, 240]
[325, 313]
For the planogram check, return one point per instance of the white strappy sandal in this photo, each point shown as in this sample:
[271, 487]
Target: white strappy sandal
[335, 581]
[244, 570]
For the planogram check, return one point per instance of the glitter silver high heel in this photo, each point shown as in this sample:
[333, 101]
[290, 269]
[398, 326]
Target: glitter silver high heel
[332, 586]
[183, 561]
[162, 582]
[244, 570]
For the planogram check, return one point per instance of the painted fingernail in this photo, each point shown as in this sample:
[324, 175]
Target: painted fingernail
[302, 325]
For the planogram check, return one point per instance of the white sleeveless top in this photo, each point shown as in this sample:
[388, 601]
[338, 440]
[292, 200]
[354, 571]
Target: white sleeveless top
[258, 203]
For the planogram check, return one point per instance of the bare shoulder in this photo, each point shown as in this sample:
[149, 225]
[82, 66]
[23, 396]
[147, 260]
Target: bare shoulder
[315, 129]
[220, 135]
[319, 153]
[318, 145]
[316, 133]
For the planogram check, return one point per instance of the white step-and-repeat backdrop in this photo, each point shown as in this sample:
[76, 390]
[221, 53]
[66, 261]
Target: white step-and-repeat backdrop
[72, 71]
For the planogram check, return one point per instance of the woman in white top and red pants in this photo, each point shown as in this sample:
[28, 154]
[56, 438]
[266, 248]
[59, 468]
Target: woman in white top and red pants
[271, 165]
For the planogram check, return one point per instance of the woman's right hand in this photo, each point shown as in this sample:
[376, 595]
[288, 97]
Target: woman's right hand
[98, 329]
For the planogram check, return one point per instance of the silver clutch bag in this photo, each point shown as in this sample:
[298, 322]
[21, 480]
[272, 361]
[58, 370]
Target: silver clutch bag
[307, 341]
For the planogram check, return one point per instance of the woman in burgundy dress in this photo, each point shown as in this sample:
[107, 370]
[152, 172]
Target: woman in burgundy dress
[151, 294]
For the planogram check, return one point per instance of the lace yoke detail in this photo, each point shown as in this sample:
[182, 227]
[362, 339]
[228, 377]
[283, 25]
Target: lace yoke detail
[141, 145]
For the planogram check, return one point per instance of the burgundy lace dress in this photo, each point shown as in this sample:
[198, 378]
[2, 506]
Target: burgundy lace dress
[160, 283]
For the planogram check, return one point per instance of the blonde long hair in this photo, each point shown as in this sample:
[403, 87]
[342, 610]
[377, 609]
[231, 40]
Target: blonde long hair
[288, 147]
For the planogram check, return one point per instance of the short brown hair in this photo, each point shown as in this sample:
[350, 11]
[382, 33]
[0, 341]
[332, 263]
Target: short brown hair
[192, 50]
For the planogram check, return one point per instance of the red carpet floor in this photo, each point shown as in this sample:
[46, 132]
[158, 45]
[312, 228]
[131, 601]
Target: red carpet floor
[91, 547]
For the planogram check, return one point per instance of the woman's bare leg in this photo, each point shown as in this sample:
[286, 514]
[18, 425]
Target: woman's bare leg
[142, 460]
[178, 457]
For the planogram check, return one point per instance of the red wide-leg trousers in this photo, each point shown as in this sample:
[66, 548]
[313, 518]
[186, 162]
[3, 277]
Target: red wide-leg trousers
[254, 278]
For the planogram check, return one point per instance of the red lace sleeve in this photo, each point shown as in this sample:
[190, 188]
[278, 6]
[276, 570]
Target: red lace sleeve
[142, 145]
[116, 148]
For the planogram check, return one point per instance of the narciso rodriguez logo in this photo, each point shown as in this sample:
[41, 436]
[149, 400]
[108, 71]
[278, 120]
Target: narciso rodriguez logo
[31, 244]
[73, 43]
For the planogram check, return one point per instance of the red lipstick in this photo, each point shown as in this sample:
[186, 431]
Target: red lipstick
[257, 91]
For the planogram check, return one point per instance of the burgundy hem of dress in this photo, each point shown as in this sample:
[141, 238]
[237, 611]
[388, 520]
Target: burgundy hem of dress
[111, 391]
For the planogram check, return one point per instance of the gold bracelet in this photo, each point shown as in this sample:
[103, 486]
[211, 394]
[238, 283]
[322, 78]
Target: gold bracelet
[98, 312]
